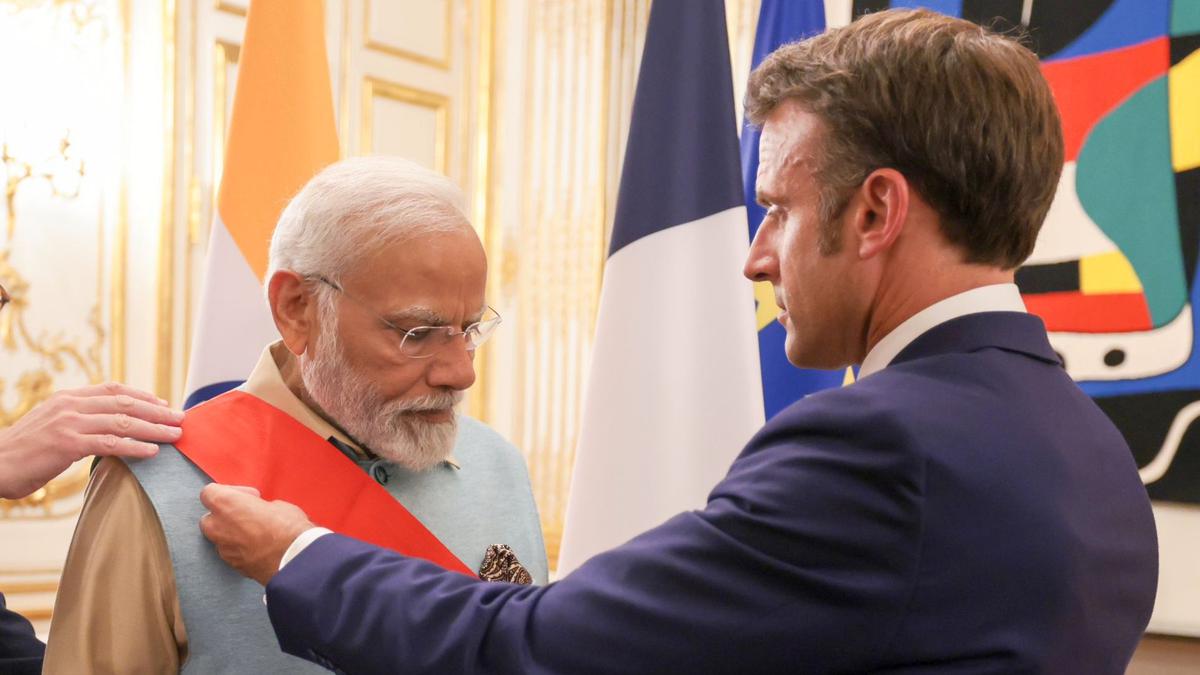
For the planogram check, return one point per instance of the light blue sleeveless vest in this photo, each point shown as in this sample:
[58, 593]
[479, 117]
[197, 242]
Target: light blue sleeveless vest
[487, 501]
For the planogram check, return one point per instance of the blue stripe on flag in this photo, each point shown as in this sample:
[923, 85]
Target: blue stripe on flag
[664, 182]
[210, 391]
[947, 7]
[780, 22]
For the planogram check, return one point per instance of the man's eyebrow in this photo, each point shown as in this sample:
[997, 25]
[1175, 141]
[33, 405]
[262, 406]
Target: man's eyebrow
[764, 199]
[421, 315]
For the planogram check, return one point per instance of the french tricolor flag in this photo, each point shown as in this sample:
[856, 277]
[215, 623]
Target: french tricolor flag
[281, 133]
[674, 390]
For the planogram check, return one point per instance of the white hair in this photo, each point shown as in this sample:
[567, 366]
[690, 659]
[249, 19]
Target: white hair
[357, 206]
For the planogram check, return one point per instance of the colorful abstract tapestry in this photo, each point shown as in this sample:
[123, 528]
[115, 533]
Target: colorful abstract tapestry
[1114, 271]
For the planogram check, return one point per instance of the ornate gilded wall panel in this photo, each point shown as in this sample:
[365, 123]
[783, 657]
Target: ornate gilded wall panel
[405, 121]
[69, 156]
[225, 59]
[54, 159]
[418, 30]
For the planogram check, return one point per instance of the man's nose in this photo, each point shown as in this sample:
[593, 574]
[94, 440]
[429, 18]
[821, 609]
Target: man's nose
[762, 264]
[453, 366]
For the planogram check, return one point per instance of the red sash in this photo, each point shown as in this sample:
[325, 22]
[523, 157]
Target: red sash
[239, 439]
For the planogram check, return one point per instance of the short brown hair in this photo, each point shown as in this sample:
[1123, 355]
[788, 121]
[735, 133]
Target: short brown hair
[962, 112]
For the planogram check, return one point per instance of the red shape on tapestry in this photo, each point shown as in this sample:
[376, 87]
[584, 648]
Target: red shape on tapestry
[1087, 88]
[1075, 312]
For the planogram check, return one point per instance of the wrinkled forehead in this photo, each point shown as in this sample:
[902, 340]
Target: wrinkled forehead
[440, 275]
[789, 143]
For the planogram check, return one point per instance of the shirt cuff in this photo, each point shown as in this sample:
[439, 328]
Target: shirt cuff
[301, 542]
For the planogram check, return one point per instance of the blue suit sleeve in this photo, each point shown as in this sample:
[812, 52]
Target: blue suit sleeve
[20, 650]
[804, 557]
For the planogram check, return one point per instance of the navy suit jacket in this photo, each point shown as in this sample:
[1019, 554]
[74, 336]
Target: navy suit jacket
[966, 510]
[20, 650]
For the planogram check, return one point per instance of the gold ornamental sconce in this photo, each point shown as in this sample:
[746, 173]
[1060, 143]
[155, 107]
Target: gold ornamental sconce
[82, 13]
[62, 171]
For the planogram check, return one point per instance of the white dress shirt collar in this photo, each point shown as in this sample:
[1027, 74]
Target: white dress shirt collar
[992, 298]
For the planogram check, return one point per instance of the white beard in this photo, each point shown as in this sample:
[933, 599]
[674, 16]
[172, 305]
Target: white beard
[386, 427]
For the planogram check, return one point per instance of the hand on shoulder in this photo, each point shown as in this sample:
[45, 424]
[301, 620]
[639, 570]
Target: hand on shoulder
[107, 419]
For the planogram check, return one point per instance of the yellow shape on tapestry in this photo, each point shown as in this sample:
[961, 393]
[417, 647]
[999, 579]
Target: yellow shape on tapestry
[1184, 82]
[1107, 273]
[766, 310]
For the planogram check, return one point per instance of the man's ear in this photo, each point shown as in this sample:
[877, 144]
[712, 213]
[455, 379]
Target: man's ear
[883, 201]
[293, 306]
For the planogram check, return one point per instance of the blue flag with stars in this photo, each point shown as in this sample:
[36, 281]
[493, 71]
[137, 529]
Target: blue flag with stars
[779, 22]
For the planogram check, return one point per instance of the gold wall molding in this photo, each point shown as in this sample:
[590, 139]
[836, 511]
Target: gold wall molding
[10, 588]
[440, 104]
[44, 499]
[225, 54]
[192, 209]
[35, 614]
[343, 117]
[165, 343]
[230, 8]
[442, 62]
[120, 256]
[31, 571]
[484, 211]
[120, 251]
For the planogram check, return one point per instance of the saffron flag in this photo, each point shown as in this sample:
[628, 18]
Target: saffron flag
[779, 22]
[674, 390]
[281, 133]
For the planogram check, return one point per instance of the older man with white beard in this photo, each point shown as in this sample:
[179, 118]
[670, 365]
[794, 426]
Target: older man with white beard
[376, 284]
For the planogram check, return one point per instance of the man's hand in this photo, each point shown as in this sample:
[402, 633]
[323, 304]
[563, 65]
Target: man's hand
[106, 419]
[250, 534]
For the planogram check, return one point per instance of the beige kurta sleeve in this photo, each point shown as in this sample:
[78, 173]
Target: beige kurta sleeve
[117, 610]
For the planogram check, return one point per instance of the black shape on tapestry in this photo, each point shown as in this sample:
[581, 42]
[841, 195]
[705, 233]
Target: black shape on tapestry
[1060, 277]
[1144, 420]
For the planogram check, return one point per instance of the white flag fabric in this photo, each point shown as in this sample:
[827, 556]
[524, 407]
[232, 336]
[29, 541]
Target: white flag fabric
[281, 133]
[674, 390]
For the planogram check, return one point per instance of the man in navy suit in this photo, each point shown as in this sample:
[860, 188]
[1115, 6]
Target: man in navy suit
[20, 650]
[70, 425]
[962, 508]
